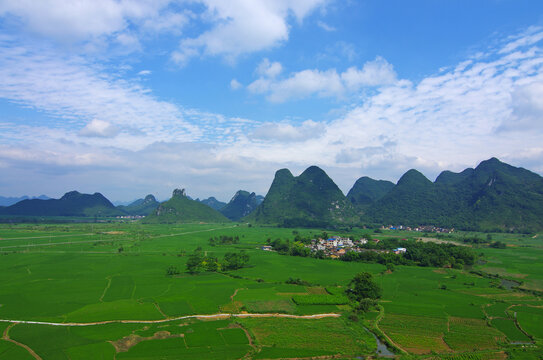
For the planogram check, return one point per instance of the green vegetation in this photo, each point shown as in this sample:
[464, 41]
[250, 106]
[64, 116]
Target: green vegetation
[198, 261]
[242, 204]
[181, 209]
[493, 196]
[311, 199]
[141, 206]
[68, 273]
[72, 203]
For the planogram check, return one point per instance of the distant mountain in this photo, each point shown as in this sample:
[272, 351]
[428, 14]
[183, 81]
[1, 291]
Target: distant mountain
[311, 199]
[213, 203]
[180, 209]
[141, 207]
[72, 203]
[366, 191]
[494, 195]
[7, 201]
[242, 204]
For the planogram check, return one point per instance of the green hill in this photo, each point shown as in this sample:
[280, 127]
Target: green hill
[181, 209]
[366, 191]
[493, 196]
[141, 207]
[72, 203]
[213, 203]
[311, 199]
[242, 204]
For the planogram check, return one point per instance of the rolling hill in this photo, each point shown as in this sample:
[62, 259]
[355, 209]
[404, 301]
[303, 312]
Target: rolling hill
[242, 204]
[311, 199]
[72, 203]
[181, 209]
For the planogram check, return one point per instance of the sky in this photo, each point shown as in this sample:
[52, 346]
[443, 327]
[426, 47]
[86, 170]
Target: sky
[131, 97]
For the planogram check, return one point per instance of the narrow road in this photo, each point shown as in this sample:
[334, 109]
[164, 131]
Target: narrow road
[212, 316]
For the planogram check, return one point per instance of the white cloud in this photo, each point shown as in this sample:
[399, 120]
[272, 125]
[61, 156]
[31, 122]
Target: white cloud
[285, 132]
[327, 83]
[95, 23]
[144, 72]
[241, 26]
[99, 128]
[325, 26]
[73, 92]
[235, 85]
[373, 73]
[269, 69]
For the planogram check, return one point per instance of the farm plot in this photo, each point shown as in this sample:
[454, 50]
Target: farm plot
[472, 334]
[416, 334]
[530, 319]
[510, 329]
[283, 338]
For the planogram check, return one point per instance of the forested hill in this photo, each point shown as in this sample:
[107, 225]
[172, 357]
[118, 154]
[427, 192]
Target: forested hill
[213, 203]
[494, 195]
[180, 209]
[72, 203]
[311, 199]
[141, 207]
[242, 204]
[367, 190]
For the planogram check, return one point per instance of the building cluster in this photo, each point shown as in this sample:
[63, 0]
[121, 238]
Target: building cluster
[425, 228]
[337, 246]
[130, 217]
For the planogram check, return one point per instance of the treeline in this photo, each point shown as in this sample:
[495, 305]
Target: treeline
[198, 261]
[418, 253]
[223, 240]
[294, 248]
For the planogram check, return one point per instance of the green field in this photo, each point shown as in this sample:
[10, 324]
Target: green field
[104, 272]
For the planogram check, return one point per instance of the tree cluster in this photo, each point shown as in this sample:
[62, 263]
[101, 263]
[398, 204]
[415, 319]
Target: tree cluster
[223, 240]
[363, 291]
[418, 253]
[200, 262]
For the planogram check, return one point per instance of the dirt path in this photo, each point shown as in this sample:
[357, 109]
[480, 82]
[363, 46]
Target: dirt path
[235, 293]
[212, 316]
[6, 337]
[192, 232]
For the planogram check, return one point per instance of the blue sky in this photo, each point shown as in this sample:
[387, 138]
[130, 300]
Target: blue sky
[130, 97]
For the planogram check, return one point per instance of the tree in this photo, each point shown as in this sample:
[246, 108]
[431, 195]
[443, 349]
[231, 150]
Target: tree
[234, 261]
[172, 270]
[194, 262]
[362, 287]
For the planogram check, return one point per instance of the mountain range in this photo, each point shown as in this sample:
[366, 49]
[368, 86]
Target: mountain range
[7, 201]
[181, 208]
[72, 203]
[492, 196]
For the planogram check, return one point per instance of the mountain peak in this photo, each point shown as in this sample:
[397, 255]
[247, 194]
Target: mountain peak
[283, 174]
[179, 193]
[149, 199]
[413, 177]
[70, 195]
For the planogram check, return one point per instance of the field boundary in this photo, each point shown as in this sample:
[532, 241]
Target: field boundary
[5, 336]
[211, 316]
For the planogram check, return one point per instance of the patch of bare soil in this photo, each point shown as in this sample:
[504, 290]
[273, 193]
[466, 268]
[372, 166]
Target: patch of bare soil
[124, 344]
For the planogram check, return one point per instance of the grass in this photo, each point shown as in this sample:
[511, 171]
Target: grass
[75, 272]
[510, 329]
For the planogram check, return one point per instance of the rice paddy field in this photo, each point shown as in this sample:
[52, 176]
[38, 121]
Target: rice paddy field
[101, 291]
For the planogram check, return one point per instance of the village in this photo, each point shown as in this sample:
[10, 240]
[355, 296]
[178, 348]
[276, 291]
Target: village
[337, 246]
[424, 228]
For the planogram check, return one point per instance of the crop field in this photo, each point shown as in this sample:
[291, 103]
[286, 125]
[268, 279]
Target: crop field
[98, 276]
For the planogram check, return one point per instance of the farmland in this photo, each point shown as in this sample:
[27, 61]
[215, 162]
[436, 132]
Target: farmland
[107, 283]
